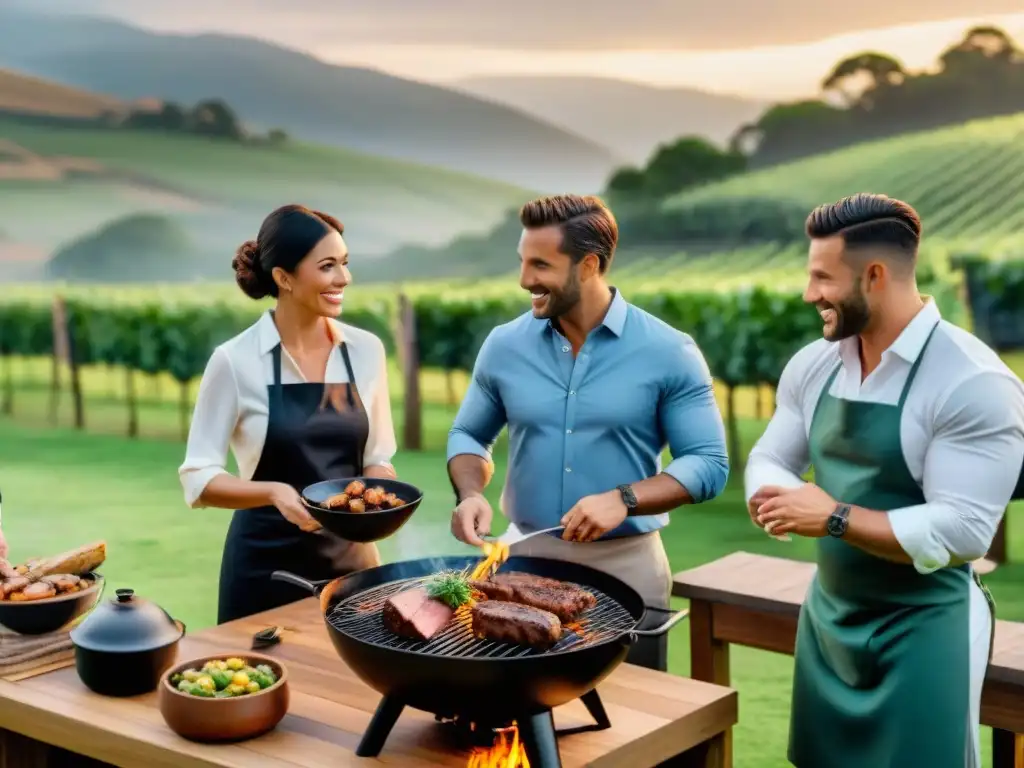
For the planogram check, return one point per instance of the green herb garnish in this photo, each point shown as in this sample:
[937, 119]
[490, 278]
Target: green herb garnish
[450, 587]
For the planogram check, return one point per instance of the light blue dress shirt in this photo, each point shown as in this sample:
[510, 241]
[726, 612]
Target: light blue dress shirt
[583, 426]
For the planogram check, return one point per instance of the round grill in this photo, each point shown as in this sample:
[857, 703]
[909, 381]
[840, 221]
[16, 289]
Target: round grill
[359, 616]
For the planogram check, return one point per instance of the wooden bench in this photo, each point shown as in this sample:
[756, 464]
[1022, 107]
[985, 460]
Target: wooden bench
[754, 600]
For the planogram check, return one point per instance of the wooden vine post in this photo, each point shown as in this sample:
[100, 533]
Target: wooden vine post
[409, 358]
[64, 352]
[60, 355]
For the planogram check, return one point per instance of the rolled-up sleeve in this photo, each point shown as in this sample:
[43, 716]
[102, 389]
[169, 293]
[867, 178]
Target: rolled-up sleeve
[693, 425]
[381, 444]
[213, 422]
[971, 468]
[781, 455]
[481, 415]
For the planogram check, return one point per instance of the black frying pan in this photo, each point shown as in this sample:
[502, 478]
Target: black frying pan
[361, 526]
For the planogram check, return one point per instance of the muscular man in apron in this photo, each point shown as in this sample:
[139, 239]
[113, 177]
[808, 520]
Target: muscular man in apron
[286, 434]
[915, 432]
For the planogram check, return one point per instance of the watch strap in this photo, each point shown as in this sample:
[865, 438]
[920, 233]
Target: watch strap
[628, 497]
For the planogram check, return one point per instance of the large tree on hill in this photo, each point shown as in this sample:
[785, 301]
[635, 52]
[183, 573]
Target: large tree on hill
[857, 77]
[685, 163]
[982, 50]
[215, 118]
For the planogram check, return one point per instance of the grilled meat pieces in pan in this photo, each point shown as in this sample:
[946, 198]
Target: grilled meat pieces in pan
[566, 601]
[515, 623]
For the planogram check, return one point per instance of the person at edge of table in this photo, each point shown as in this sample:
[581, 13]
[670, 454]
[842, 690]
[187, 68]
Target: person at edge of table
[301, 398]
[915, 431]
[591, 388]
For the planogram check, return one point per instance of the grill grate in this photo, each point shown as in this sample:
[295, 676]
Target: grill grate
[360, 616]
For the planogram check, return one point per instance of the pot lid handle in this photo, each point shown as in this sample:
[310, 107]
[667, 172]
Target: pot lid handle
[124, 595]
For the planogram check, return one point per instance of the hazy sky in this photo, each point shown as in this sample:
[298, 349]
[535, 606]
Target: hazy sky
[778, 48]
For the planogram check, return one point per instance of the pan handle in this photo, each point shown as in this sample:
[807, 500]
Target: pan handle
[674, 618]
[314, 587]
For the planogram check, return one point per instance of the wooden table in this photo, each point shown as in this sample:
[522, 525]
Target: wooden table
[755, 600]
[655, 716]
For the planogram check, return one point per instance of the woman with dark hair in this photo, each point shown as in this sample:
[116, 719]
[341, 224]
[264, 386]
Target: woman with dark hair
[300, 397]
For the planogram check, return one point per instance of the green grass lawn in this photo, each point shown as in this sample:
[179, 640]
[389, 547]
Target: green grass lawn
[63, 488]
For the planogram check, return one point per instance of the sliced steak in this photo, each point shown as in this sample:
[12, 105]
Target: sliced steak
[566, 601]
[515, 623]
[412, 613]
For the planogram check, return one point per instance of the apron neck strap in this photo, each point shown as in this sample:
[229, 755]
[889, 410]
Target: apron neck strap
[916, 366]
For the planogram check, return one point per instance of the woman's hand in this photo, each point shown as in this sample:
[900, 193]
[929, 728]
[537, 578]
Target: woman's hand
[289, 504]
[380, 470]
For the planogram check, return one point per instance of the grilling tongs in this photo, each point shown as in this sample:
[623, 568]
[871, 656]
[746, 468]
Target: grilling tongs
[516, 536]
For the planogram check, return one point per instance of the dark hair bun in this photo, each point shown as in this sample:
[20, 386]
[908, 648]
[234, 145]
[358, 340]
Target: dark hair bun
[249, 272]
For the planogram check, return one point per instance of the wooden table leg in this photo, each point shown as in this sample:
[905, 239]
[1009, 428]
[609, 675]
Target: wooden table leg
[17, 751]
[709, 661]
[1007, 749]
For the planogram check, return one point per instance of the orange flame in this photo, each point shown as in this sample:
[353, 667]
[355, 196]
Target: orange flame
[507, 752]
[496, 553]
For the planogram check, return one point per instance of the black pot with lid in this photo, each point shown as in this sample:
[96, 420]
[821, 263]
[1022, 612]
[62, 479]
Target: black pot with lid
[125, 645]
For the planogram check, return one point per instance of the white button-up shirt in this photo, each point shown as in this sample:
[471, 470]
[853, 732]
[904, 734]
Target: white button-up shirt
[232, 406]
[962, 432]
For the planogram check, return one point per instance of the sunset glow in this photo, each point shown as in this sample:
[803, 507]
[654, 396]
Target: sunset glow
[779, 71]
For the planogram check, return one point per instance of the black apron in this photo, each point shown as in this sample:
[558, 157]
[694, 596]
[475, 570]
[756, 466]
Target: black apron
[315, 432]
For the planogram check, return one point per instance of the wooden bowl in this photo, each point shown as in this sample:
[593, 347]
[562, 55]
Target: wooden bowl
[237, 718]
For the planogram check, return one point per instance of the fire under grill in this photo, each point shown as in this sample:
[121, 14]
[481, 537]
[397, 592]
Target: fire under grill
[360, 616]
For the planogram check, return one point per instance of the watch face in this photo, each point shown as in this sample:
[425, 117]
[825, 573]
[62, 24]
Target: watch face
[836, 525]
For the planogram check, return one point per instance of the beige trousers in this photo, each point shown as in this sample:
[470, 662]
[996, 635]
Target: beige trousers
[639, 561]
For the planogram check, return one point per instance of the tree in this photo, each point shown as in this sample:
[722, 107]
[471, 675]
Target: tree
[683, 164]
[982, 49]
[173, 117]
[214, 117]
[856, 77]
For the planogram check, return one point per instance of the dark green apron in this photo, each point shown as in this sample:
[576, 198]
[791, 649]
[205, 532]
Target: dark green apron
[882, 670]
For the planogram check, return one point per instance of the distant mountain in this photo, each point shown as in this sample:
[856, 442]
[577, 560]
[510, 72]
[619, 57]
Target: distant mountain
[32, 95]
[272, 86]
[631, 118]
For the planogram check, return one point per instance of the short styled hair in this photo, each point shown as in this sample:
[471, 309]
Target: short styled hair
[869, 221]
[586, 223]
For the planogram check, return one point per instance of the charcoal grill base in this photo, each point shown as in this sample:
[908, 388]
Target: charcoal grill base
[536, 732]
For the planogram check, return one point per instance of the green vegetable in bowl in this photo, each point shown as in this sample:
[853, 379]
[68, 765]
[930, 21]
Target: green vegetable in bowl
[224, 678]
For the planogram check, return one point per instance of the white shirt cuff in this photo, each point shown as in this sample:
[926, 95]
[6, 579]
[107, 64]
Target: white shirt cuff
[912, 528]
[194, 481]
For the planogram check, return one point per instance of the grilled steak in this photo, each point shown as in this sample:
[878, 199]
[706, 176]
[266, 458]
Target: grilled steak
[415, 615]
[566, 601]
[516, 623]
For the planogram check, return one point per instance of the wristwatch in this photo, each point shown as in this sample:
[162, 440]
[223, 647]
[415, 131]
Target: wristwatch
[838, 521]
[628, 498]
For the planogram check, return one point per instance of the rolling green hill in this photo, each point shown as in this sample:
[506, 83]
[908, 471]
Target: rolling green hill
[57, 183]
[967, 182]
[270, 86]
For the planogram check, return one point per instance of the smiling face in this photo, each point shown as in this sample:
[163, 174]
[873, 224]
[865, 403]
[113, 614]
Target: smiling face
[551, 277]
[836, 290]
[318, 282]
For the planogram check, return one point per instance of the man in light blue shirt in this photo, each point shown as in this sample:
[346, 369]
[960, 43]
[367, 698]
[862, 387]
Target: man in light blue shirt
[591, 388]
